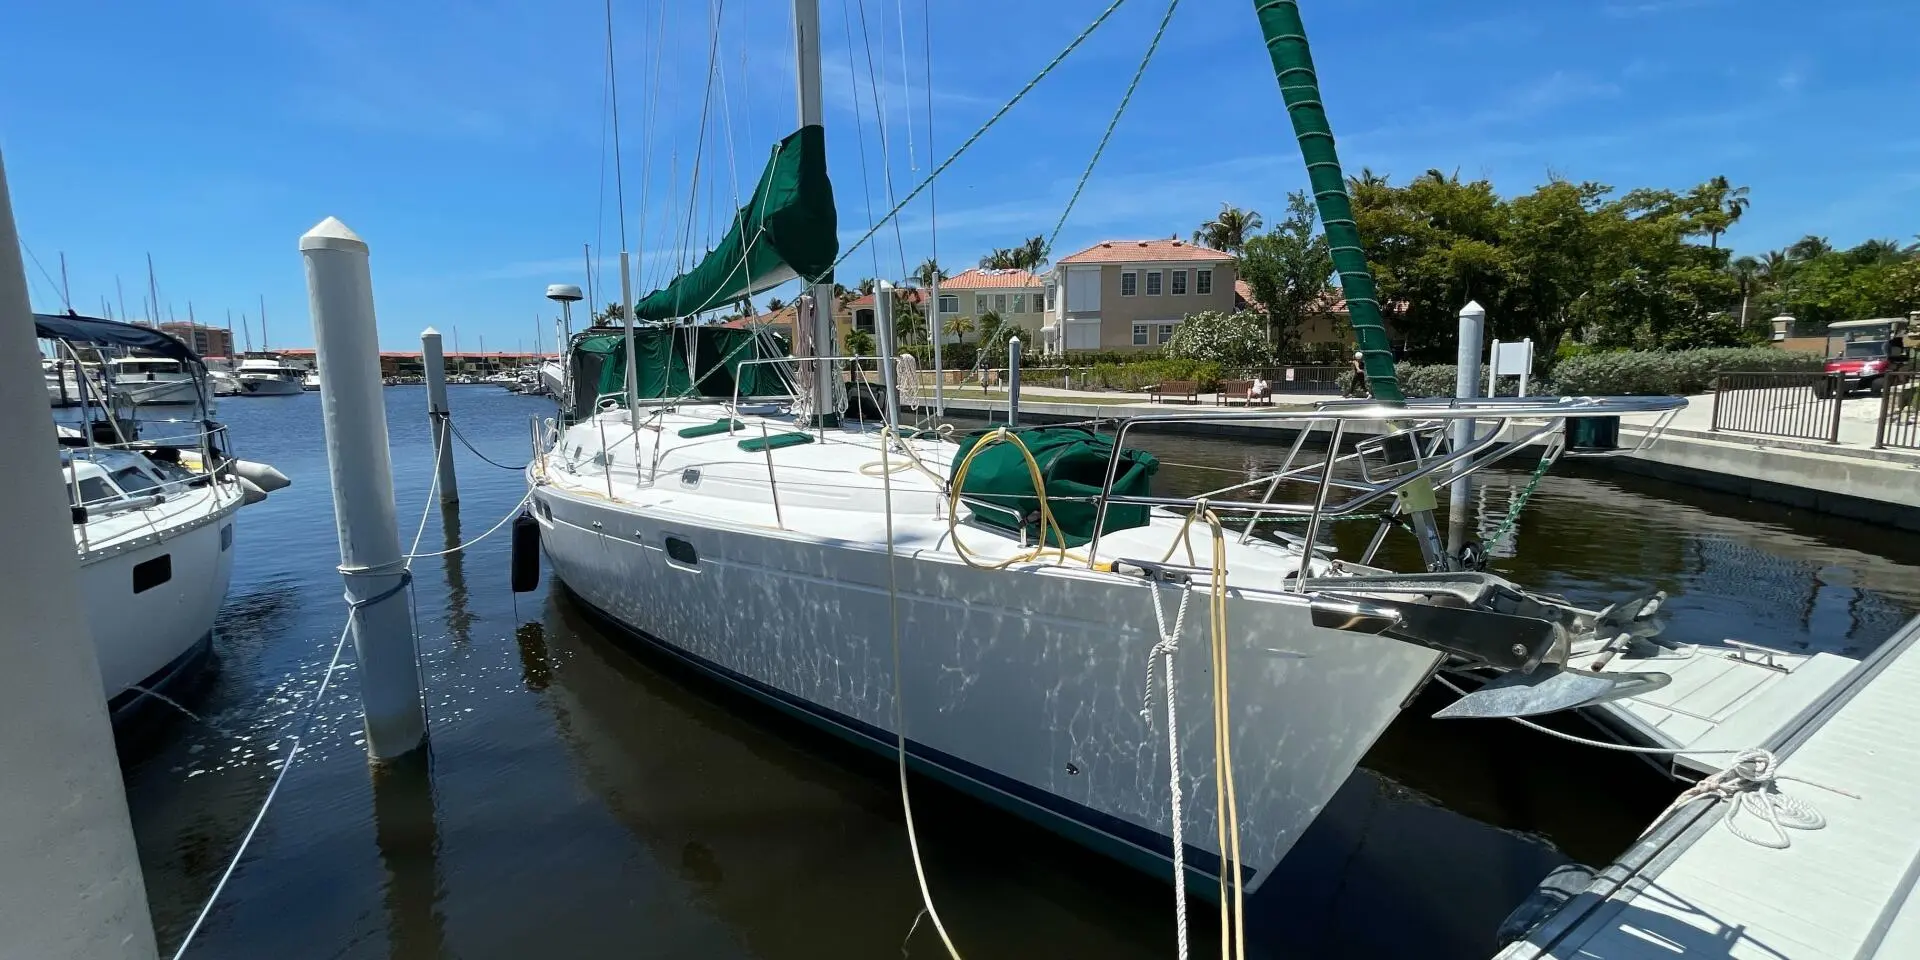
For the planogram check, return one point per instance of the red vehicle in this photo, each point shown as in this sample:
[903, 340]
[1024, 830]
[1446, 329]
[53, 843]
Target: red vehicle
[1863, 352]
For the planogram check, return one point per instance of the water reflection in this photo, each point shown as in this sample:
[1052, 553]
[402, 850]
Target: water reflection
[458, 619]
[407, 834]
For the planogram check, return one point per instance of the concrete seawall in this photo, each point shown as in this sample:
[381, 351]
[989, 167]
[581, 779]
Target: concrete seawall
[1875, 486]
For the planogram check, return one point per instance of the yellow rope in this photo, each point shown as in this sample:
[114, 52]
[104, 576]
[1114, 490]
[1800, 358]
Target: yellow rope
[1060, 554]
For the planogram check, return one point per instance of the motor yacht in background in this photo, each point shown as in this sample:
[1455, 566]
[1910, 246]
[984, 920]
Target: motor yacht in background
[153, 507]
[149, 380]
[269, 376]
[311, 381]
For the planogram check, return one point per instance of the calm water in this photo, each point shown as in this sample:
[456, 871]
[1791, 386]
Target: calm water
[581, 801]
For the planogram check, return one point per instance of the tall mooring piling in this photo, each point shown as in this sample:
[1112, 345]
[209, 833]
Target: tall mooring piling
[70, 881]
[353, 407]
[439, 414]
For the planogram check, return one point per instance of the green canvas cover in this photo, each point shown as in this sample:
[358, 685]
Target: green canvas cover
[1073, 463]
[599, 359]
[787, 229]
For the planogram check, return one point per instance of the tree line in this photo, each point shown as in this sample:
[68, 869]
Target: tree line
[1565, 262]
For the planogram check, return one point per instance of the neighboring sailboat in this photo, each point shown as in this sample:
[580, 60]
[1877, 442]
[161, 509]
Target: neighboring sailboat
[153, 521]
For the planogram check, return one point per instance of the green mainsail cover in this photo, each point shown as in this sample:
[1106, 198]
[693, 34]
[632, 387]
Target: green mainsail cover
[667, 371]
[786, 230]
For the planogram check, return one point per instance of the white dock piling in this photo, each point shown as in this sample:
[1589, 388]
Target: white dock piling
[1013, 381]
[70, 882]
[438, 413]
[1466, 384]
[340, 294]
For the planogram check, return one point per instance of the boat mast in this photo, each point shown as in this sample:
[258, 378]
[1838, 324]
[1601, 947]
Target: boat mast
[263, 324]
[806, 48]
[153, 293]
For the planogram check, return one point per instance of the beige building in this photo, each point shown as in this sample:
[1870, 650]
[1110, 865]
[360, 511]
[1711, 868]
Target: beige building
[1019, 297]
[1131, 294]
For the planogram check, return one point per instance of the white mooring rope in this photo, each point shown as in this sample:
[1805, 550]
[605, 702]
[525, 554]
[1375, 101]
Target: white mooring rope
[1164, 649]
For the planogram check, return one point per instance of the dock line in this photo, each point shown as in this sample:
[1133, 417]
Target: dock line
[476, 450]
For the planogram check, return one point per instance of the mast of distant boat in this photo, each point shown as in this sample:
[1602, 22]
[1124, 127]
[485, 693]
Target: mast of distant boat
[153, 293]
[263, 324]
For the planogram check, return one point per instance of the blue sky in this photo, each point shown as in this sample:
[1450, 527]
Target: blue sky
[467, 142]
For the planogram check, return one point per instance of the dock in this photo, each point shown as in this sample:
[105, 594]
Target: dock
[1694, 887]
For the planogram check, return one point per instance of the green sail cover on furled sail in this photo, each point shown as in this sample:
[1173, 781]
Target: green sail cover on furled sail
[787, 230]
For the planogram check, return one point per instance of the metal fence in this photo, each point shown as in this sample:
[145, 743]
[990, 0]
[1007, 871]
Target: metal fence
[1325, 380]
[1899, 411]
[1802, 406]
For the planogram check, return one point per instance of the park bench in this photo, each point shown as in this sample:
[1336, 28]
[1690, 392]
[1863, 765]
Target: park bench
[1248, 392]
[1188, 390]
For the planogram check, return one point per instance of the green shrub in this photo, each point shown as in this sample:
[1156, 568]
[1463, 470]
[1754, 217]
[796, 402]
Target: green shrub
[1676, 372]
[953, 356]
[1138, 375]
[1426, 379]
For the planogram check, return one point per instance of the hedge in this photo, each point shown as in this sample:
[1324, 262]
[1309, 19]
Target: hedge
[1676, 372]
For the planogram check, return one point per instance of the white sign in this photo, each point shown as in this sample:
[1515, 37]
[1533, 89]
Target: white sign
[1289, 374]
[1512, 359]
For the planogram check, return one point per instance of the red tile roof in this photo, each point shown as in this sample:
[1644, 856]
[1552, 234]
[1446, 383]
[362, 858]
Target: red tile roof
[982, 279]
[1243, 297]
[909, 294]
[788, 315]
[1133, 251]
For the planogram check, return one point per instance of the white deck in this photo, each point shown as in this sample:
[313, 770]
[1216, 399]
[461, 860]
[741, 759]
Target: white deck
[1693, 889]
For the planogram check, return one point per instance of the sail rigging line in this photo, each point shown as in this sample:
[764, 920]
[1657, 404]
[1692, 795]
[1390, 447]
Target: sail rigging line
[900, 713]
[880, 124]
[700, 142]
[1112, 122]
[648, 124]
[906, 80]
[981, 131]
[860, 135]
[613, 100]
[933, 220]
[43, 272]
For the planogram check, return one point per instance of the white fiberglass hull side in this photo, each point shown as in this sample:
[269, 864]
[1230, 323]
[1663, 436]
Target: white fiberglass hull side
[269, 386]
[137, 632]
[1021, 686]
[159, 392]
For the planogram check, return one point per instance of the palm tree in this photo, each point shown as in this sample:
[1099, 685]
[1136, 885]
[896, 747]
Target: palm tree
[958, 326]
[928, 272]
[866, 287]
[989, 326]
[1229, 229]
[1367, 178]
[1728, 202]
[1003, 258]
[1875, 251]
[1774, 266]
[860, 343]
[1809, 247]
[1747, 271]
[908, 319]
[1031, 254]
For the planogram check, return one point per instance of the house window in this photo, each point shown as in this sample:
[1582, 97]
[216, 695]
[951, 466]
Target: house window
[979, 303]
[1019, 303]
[863, 320]
[1051, 294]
[949, 303]
[999, 303]
[1179, 283]
[1166, 333]
[1153, 283]
[1129, 283]
[1140, 335]
[1203, 282]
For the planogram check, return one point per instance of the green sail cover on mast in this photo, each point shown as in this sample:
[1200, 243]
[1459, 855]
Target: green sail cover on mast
[786, 230]
[1286, 40]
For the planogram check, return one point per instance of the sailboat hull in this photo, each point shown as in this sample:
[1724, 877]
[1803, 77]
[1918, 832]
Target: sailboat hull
[1022, 688]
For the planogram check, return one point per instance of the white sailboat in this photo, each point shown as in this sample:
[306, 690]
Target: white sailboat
[996, 610]
[153, 521]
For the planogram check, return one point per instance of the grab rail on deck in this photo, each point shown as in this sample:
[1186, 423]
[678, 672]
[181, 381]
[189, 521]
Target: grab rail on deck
[1414, 418]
